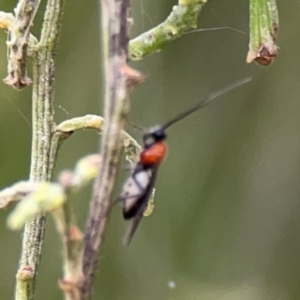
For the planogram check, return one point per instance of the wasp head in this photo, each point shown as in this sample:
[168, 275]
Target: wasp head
[155, 134]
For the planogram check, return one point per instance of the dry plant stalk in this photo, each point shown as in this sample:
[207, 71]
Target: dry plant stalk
[20, 44]
[119, 79]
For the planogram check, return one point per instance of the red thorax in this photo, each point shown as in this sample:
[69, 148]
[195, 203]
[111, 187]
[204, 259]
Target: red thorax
[154, 154]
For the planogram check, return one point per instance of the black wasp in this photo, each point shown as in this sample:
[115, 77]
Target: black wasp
[138, 187]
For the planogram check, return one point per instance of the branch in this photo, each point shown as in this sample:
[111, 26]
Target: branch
[264, 25]
[118, 79]
[182, 18]
[44, 197]
[18, 38]
[42, 126]
[14, 193]
[65, 129]
[86, 170]
[72, 238]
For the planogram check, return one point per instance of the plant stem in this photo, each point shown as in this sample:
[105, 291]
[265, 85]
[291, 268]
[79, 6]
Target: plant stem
[118, 79]
[17, 44]
[42, 126]
[264, 25]
[71, 238]
[182, 18]
[67, 128]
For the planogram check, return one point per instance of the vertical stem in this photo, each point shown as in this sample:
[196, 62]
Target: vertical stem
[42, 126]
[114, 15]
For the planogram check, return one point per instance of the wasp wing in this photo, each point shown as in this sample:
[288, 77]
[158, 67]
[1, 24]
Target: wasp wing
[141, 205]
[134, 190]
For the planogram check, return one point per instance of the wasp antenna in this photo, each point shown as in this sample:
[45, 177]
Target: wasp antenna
[133, 125]
[211, 97]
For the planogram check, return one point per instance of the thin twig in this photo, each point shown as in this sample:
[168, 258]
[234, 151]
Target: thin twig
[15, 192]
[17, 43]
[42, 126]
[45, 196]
[65, 129]
[182, 18]
[118, 78]
[264, 25]
[72, 238]
[86, 170]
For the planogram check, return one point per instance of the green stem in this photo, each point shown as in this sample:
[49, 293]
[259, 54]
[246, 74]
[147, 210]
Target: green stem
[264, 23]
[42, 126]
[182, 18]
[66, 128]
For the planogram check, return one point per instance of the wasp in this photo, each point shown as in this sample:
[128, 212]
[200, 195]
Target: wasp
[138, 187]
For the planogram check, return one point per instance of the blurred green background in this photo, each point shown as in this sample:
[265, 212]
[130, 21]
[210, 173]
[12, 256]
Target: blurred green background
[226, 223]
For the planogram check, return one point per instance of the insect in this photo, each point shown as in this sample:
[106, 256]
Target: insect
[138, 187]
